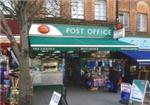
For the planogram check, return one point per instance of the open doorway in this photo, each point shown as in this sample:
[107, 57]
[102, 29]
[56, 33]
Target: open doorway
[72, 71]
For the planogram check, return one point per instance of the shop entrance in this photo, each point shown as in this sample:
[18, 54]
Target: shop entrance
[72, 71]
[60, 42]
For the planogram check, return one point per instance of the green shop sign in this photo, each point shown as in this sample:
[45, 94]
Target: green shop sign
[46, 50]
[75, 30]
[87, 31]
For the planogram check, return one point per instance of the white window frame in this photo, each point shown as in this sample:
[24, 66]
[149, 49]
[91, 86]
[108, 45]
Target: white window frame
[124, 19]
[77, 9]
[8, 4]
[100, 10]
[53, 8]
[141, 22]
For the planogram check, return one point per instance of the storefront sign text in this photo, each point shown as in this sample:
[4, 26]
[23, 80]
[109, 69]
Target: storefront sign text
[74, 30]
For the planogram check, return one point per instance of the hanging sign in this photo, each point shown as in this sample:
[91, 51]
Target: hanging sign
[138, 90]
[55, 98]
[119, 33]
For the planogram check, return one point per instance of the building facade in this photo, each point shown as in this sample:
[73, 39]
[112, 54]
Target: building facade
[76, 30]
[83, 10]
[94, 12]
[135, 15]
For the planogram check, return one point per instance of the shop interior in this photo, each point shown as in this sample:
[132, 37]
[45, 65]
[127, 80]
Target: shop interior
[84, 69]
[133, 69]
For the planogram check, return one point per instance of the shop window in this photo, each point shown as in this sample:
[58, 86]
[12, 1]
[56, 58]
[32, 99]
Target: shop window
[141, 23]
[53, 8]
[77, 9]
[48, 66]
[124, 19]
[100, 9]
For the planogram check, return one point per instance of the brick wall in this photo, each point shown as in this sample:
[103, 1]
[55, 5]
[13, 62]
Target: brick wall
[89, 10]
[66, 8]
[111, 10]
[133, 7]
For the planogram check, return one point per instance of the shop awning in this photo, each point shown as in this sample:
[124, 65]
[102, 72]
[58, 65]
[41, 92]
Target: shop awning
[142, 57]
[42, 43]
[142, 43]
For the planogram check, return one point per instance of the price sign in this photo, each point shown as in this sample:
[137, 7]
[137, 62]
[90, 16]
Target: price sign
[55, 98]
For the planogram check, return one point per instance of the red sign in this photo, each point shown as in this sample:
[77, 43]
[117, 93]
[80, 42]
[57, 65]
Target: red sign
[14, 26]
[119, 26]
[43, 29]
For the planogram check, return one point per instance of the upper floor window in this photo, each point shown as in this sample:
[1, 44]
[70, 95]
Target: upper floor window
[141, 23]
[53, 8]
[6, 10]
[124, 19]
[77, 9]
[100, 9]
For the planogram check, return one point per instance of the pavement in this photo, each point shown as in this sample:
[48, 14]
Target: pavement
[78, 96]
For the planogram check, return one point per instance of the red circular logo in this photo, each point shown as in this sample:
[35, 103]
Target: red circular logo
[119, 26]
[43, 29]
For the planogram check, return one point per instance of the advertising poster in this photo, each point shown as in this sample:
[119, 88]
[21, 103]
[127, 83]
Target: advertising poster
[138, 90]
[126, 87]
[125, 92]
[55, 98]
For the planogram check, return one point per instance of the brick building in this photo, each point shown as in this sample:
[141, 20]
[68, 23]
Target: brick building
[91, 10]
[135, 15]
[86, 11]
[85, 26]
[94, 12]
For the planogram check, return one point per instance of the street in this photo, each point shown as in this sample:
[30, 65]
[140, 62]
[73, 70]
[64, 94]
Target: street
[77, 96]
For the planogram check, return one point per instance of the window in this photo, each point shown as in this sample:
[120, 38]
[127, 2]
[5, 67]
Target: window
[8, 5]
[141, 23]
[53, 8]
[100, 9]
[77, 10]
[124, 19]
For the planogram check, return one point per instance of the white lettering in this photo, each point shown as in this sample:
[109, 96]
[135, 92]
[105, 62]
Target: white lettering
[109, 32]
[88, 48]
[90, 31]
[75, 30]
[105, 32]
[98, 32]
[82, 30]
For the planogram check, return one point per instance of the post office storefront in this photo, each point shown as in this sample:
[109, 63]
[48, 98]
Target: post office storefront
[49, 41]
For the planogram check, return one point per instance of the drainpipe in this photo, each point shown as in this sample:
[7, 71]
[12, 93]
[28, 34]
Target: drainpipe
[117, 10]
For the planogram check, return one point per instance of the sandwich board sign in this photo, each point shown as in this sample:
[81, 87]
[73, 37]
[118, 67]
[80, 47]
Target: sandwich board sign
[138, 90]
[55, 98]
[125, 92]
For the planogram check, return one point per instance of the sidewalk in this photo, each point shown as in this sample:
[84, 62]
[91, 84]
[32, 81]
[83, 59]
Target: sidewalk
[77, 96]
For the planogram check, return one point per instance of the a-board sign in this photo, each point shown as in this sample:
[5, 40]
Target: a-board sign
[55, 98]
[125, 92]
[126, 87]
[138, 90]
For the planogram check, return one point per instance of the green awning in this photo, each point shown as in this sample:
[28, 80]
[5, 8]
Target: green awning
[42, 43]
